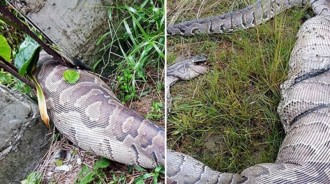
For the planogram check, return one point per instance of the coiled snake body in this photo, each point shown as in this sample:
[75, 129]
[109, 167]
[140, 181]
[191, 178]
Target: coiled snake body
[90, 116]
[304, 156]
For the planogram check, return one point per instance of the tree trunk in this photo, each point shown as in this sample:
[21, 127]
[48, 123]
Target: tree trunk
[74, 25]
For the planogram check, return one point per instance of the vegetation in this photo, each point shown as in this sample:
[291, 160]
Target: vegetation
[87, 175]
[100, 174]
[133, 51]
[33, 178]
[227, 118]
[136, 45]
[9, 42]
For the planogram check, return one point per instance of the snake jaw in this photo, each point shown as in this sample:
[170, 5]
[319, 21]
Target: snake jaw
[189, 68]
[195, 69]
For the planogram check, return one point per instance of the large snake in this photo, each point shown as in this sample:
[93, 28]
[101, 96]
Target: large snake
[91, 117]
[304, 156]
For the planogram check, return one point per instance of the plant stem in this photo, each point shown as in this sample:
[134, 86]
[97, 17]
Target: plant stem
[10, 19]
[12, 70]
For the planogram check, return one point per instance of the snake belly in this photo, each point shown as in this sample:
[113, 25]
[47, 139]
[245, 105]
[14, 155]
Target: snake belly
[91, 117]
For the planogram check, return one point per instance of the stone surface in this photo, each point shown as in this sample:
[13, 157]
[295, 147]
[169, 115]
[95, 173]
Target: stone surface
[23, 140]
[73, 26]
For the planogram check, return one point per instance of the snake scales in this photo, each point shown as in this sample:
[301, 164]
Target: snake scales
[304, 156]
[90, 116]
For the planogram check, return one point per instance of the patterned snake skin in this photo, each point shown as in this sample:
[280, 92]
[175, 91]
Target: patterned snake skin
[183, 70]
[304, 156]
[253, 15]
[90, 116]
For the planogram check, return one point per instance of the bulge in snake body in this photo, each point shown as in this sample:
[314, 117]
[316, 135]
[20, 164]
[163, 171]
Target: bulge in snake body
[90, 116]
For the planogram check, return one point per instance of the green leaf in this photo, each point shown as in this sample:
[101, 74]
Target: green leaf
[87, 178]
[6, 79]
[33, 178]
[158, 169]
[100, 40]
[139, 180]
[71, 76]
[130, 169]
[101, 164]
[5, 50]
[139, 168]
[59, 162]
[85, 170]
[27, 56]
[147, 175]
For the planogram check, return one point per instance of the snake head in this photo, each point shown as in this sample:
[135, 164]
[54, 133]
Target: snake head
[188, 68]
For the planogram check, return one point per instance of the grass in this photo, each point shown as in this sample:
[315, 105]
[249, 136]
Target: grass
[133, 58]
[99, 174]
[14, 38]
[227, 118]
[134, 46]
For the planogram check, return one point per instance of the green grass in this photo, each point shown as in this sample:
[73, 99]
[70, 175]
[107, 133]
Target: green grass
[33, 178]
[11, 82]
[101, 174]
[134, 46]
[227, 118]
[133, 57]
[14, 38]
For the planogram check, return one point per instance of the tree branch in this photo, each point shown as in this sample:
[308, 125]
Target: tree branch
[10, 19]
[9, 64]
[8, 67]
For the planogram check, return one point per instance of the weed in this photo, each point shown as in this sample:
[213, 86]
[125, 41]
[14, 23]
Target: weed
[14, 38]
[227, 118]
[157, 111]
[33, 178]
[99, 173]
[135, 44]
[10, 81]
[118, 179]
[154, 175]
[95, 174]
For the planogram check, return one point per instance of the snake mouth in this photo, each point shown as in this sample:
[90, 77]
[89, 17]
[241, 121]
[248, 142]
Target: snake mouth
[199, 60]
[202, 64]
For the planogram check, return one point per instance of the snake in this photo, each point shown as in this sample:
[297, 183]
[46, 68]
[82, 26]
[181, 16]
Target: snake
[304, 109]
[91, 117]
[185, 69]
